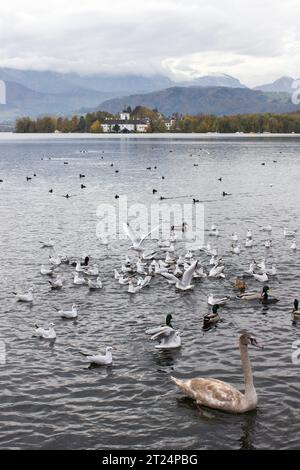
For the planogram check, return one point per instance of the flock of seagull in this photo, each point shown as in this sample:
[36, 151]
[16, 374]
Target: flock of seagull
[182, 272]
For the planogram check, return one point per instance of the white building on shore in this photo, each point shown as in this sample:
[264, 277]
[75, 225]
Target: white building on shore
[125, 124]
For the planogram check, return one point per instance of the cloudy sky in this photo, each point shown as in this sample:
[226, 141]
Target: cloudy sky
[257, 41]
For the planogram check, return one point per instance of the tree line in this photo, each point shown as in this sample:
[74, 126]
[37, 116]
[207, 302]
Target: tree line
[91, 123]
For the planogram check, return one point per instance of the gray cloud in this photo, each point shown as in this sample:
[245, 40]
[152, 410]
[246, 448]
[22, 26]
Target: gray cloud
[256, 41]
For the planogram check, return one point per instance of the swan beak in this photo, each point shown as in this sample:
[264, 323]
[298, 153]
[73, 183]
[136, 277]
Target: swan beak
[256, 344]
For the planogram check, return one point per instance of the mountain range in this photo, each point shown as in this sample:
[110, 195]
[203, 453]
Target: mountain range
[36, 93]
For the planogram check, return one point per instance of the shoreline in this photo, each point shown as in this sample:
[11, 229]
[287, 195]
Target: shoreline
[7, 136]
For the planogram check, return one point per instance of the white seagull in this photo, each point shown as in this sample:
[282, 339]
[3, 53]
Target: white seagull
[27, 297]
[45, 333]
[168, 338]
[69, 314]
[100, 360]
[137, 242]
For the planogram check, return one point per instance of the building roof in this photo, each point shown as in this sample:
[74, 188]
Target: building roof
[126, 121]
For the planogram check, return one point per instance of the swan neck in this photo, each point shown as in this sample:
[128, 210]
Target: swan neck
[249, 386]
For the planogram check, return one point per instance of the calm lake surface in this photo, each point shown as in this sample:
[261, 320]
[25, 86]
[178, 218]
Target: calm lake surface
[49, 398]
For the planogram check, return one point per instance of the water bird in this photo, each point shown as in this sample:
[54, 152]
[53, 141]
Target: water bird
[154, 191]
[265, 299]
[249, 243]
[288, 233]
[240, 284]
[167, 337]
[261, 277]
[49, 244]
[26, 297]
[184, 283]
[28, 178]
[51, 190]
[66, 163]
[220, 395]
[137, 242]
[45, 333]
[78, 279]
[211, 300]
[99, 359]
[56, 283]
[82, 186]
[293, 245]
[117, 196]
[46, 271]
[217, 271]
[152, 331]
[81, 176]
[211, 318]
[69, 314]
[93, 285]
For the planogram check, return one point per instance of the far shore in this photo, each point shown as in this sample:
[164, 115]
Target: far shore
[194, 136]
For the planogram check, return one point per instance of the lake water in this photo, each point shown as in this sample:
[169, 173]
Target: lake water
[49, 398]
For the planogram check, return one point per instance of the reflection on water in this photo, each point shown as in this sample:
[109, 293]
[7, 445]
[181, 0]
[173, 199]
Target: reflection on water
[50, 397]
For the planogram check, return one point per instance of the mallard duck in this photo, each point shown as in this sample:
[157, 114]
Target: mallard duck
[265, 299]
[211, 318]
[296, 312]
[253, 295]
[240, 284]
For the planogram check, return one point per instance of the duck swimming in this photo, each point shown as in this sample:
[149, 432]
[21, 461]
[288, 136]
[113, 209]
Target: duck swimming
[211, 318]
[266, 300]
[219, 395]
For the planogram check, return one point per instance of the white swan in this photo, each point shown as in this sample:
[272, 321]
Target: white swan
[137, 242]
[220, 395]
[100, 360]
[45, 333]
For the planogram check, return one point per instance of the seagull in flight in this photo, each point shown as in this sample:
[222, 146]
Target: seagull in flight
[137, 242]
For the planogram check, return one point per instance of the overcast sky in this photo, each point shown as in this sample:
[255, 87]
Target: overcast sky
[257, 41]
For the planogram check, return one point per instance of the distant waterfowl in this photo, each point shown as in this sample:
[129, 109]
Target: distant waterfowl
[234, 237]
[49, 244]
[251, 269]
[236, 249]
[249, 233]
[51, 190]
[78, 279]
[93, 271]
[93, 285]
[44, 332]
[249, 243]
[270, 272]
[46, 271]
[117, 196]
[82, 186]
[211, 318]
[294, 246]
[219, 395]
[56, 283]
[81, 176]
[26, 297]
[99, 359]
[268, 243]
[288, 233]
[266, 228]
